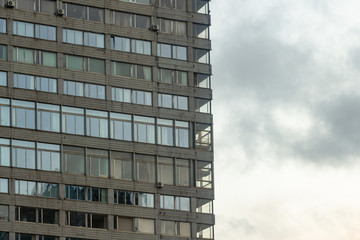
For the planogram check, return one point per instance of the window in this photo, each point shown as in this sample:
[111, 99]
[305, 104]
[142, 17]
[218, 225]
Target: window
[182, 168]
[77, 89]
[23, 29]
[73, 120]
[45, 32]
[146, 2]
[202, 80]
[165, 132]
[76, 239]
[94, 91]
[94, 39]
[141, 97]
[84, 64]
[27, 214]
[203, 174]
[3, 78]
[35, 83]
[131, 45]
[182, 134]
[74, 158]
[48, 238]
[25, 187]
[131, 70]
[4, 236]
[46, 84]
[144, 129]
[123, 223]
[84, 12]
[73, 88]
[204, 206]
[202, 105]
[91, 194]
[166, 170]
[145, 225]
[75, 192]
[175, 203]
[24, 236]
[123, 166]
[83, 38]
[44, 6]
[98, 221]
[120, 44]
[23, 154]
[201, 6]
[26, 55]
[200, 31]
[172, 26]
[121, 95]
[89, 220]
[48, 157]
[204, 231]
[34, 30]
[24, 81]
[2, 25]
[4, 152]
[4, 112]
[175, 4]
[145, 168]
[73, 36]
[172, 101]
[77, 219]
[203, 138]
[48, 190]
[96, 194]
[175, 228]
[4, 185]
[172, 76]
[120, 126]
[99, 162]
[4, 213]
[48, 117]
[201, 55]
[131, 96]
[130, 20]
[134, 198]
[97, 123]
[3, 52]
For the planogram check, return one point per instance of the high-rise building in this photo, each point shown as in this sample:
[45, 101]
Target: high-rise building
[105, 120]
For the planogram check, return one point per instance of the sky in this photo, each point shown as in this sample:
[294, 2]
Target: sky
[286, 105]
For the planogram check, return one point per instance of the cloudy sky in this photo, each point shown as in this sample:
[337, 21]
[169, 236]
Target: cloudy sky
[287, 119]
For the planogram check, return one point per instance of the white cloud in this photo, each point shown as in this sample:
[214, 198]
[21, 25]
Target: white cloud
[287, 124]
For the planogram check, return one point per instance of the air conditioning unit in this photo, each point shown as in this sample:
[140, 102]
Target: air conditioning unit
[154, 28]
[60, 12]
[10, 4]
[160, 185]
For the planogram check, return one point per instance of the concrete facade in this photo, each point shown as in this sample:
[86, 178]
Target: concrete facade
[192, 184]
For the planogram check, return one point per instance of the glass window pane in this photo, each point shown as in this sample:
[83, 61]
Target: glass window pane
[4, 185]
[97, 65]
[2, 25]
[73, 62]
[49, 59]
[75, 11]
[3, 78]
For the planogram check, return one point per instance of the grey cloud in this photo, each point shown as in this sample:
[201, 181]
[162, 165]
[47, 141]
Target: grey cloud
[342, 118]
[254, 61]
[257, 65]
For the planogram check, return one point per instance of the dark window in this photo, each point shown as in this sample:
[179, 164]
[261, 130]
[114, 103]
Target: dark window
[25, 214]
